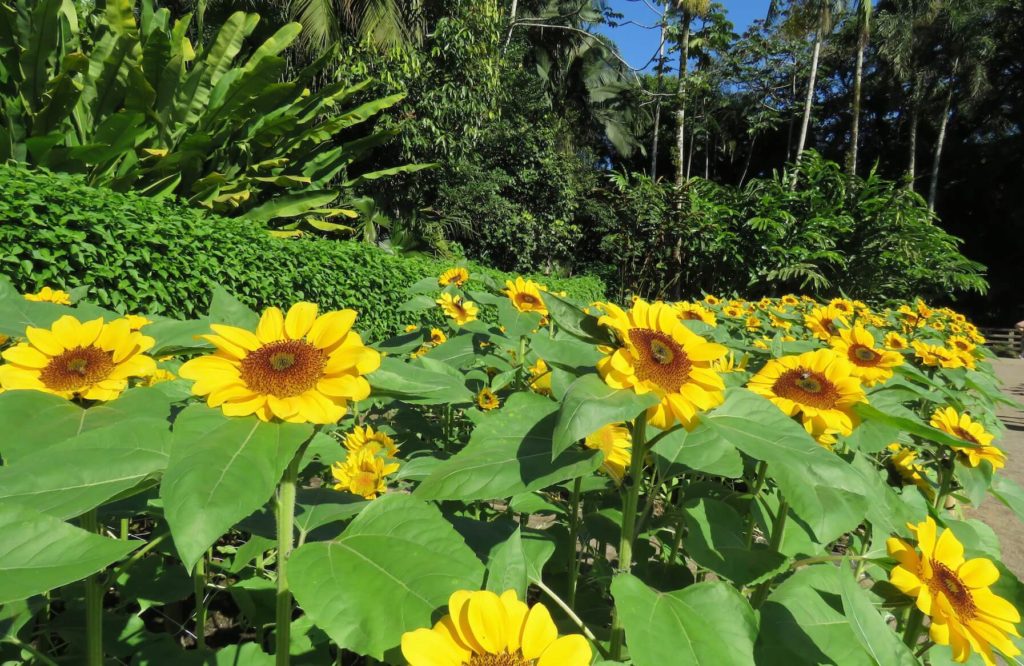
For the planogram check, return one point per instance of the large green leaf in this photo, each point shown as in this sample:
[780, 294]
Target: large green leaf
[909, 425]
[417, 385]
[716, 540]
[702, 450]
[391, 571]
[814, 618]
[33, 420]
[590, 404]
[291, 205]
[706, 623]
[78, 474]
[518, 561]
[508, 453]
[221, 470]
[823, 489]
[39, 552]
[1009, 493]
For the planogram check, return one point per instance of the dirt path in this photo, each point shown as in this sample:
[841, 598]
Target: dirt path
[1007, 527]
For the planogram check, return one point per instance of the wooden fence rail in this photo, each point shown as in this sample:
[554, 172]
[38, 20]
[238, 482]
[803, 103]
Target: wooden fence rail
[1010, 338]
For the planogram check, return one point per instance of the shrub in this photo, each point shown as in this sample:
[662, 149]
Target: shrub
[159, 257]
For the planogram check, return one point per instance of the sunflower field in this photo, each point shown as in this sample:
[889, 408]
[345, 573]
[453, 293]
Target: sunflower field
[539, 482]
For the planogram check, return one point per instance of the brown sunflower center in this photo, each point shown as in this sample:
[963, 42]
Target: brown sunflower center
[806, 387]
[660, 359]
[946, 581]
[284, 369]
[503, 659]
[690, 314]
[864, 356]
[527, 299]
[77, 368]
[965, 435]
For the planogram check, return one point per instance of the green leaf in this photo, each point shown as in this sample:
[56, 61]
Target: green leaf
[226, 309]
[716, 539]
[590, 404]
[1009, 493]
[391, 571]
[702, 450]
[571, 319]
[705, 623]
[909, 425]
[565, 351]
[822, 488]
[290, 205]
[81, 473]
[54, 419]
[506, 567]
[39, 552]
[221, 470]
[804, 622]
[416, 385]
[508, 453]
[873, 634]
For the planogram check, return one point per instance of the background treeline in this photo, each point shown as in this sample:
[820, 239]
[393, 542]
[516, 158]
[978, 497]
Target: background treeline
[509, 132]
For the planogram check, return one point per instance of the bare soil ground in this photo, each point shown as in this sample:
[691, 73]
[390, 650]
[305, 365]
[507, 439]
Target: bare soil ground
[1007, 527]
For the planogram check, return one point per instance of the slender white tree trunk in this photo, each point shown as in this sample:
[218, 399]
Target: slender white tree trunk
[933, 188]
[809, 99]
[657, 101]
[858, 78]
[511, 23]
[912, 157]
[684, 57]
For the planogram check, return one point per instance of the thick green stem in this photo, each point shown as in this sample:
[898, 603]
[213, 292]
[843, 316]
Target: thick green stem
[94, 586]
[762, 469]
[629, 510]
[199, 591]
[285, 536]
[574, 530]
[778, 527]
[523, 370]
[913, 629]
[945, 481]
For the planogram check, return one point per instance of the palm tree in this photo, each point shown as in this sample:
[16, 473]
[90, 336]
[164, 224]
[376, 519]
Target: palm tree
[818, 15]
[689, 10]
[384, 23]
[863, 11]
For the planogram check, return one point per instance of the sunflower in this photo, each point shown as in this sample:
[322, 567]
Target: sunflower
[411, 327]
[822, 322]
[790, 300]
[937, 356]
[894, 340]
[734, 311]
[711, 299]
[457, 276]
[486, 400]
[779, 322]
[459, 309]
[484, 629]
[871, 364]
[92, 360]
[955, 593]
[540, 377]
[158, 377]
[658, 353]
[299, 367]
[962, 426]
[728, 363]
[819, 386]
[904, 462]
[375, 441]
[525, 296]
[960, 343]
[752, 323]
[437, 336]
[911, 318]
[363, 473]
[615, 442]
[48, 295]
[695, 312]
[842, 305]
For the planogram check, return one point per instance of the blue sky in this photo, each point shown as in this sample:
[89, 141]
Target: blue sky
[638, 44]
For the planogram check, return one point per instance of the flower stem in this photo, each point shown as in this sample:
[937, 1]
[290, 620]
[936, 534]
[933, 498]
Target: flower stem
[285, 540]
[199, 591]
[762, 469]
[629, 510]
[93, 603]
[572, 616]
[778, 527]
[945, 481]
[913, 628]
[574, 529]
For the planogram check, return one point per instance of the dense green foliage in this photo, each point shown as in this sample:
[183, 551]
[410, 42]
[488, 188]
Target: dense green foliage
[137, 106]
[141, 255]
[870, 238]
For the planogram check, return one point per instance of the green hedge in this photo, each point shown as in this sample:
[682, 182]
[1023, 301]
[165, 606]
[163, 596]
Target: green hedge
[137, 254]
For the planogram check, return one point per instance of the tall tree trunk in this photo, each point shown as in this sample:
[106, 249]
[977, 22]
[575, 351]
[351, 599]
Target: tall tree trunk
[933, 189]
[657, 100]
[858, 78]
[809, 99]
[684, 58]
[912, 157]
[689, 157]
[511, 23]
[707, 156]
[750, 155]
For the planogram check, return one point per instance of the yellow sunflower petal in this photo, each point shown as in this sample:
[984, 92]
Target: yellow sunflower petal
[572, 650]
[539, 632]
[44, 340]
[489, 621]
[299, 320]
[27, 356]
[237, 336]
[331, 327]
[978, 572]
[425, 647]
[271, 326]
